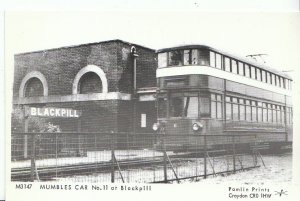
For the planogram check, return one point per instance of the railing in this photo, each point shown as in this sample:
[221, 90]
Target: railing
[127, 157]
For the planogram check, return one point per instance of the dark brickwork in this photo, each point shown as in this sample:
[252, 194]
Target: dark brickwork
[60, 66]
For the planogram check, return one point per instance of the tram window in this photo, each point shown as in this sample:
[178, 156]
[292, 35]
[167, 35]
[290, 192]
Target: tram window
[218, 61]
[253, 72]
[268, 78]
[204, 106]
[265, 112]
[247, 70]
[263, 75]
[175, 58]
[184, 107]
[278, 114]
[259, 112]
[162, 107]
[187, 57]
[195, 58]
[227, 64]
[287, 115]
[248, 111]
[284, 83]
[270, 116]
[253, 111]
[162, 60]
[273, 79]
[219, 106]
[282, 114]
[233, 66]
[228, 108]
[281, 81]
[235, 110]
[203, 57]
[213, 106]
[258, 74]
[242, 109]
[274, 113]
[241, 68]
[212, 59]
[277, 80]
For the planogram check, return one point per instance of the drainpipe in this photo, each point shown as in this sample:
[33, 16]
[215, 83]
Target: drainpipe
[134, 56]
[134, 97]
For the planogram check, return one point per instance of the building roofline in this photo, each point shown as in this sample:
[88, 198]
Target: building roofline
[245, 60]
[86, 44]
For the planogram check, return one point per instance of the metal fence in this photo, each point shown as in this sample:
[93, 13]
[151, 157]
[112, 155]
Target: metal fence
[127, 157]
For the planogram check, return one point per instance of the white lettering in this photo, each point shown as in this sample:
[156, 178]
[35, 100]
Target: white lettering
[33, 111]
[57, 114]
[71, 115]
[63, 112]
[39, 112]
[46, 112]
[51, 112]
[75, 113]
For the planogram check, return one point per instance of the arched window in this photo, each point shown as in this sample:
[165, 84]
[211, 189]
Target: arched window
[90, 82]
[33, 84]
[34, 87]
[90, 79]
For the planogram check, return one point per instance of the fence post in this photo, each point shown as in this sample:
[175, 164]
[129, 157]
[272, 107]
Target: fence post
[165, 159]
[32, 165]
[205, 154]
[233, 153]
[26, 137]
[112, 158]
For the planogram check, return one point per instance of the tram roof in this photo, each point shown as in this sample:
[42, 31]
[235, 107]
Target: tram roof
[245, 60]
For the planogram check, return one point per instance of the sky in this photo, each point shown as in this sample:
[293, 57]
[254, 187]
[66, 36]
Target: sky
[275, 34]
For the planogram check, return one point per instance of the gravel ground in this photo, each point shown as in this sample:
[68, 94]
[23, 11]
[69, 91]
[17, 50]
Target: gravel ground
[278, 170]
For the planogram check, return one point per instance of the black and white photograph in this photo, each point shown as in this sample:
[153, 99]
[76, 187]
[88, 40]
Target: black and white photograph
[133, 101]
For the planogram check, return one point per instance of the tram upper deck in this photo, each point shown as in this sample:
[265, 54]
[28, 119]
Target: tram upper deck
[198, 60]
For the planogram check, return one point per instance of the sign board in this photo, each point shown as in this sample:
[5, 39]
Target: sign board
[53, 112]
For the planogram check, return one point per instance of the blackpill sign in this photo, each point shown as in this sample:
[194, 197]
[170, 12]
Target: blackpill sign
[53, 112]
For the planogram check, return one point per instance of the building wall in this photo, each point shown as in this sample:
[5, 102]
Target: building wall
[60, 67]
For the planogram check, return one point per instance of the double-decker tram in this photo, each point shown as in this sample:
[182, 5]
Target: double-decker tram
[203, 91]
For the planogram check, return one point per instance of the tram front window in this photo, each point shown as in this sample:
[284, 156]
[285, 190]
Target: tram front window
[162, 107]
[175, 58]
[184, 107]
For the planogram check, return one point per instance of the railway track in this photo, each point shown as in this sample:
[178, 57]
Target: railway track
[48, 172]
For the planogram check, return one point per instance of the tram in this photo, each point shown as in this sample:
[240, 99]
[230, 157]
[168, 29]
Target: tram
[204, 91]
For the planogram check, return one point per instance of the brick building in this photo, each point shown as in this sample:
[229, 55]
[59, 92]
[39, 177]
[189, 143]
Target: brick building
[97, 79]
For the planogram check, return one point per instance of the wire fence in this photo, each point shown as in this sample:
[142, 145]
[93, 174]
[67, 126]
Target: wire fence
[128, 157]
